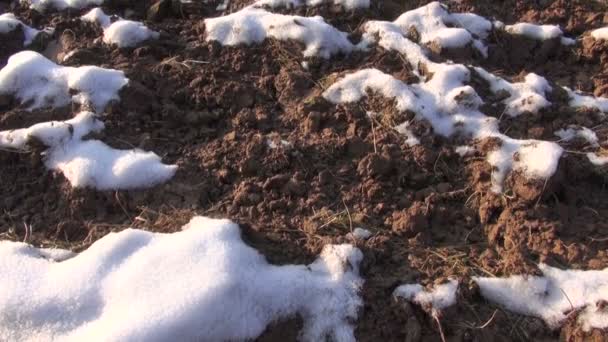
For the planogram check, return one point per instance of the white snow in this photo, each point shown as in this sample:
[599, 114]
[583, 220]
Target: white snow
[38, 82]
[202, 283]
[122, 33]
[361, 233]
[9, 23]
[574, 132]
[252, 25]
[438, 299]
[404, 129]
[90, 163]
[553, 296]
[43, 5]
[464, 150]
[597, 160]
[578, 100]
[601, 33]
[431, 22]
[444, 98]
[527, 96]
[347, 4]
[537, 32]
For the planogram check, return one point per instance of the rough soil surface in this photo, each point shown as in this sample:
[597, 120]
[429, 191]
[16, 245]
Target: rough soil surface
[216, 111]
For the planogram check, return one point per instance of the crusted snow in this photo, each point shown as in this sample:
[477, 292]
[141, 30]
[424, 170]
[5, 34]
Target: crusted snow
[90, 163]
[252, 25]
[527, 96]
[202, 283]
[537, 32]
[438, 299]
[43, 5]
[123, 33]
[601, 33]
[553, 296]
[9, 23]
[38, 82]
[347, 4]
[585, 133]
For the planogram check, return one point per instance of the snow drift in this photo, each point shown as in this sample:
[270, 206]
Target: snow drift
[202, 283]
[38, 82]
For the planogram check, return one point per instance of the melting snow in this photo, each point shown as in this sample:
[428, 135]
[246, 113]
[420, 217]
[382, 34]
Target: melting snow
[444, 97]
[9, 23]
[123, 33]
[37, 81]
[527, 96]
[43, 5]
[361, 233]
[537, 32]
[202, 283]
[597, 160]
[553, 296]
[438, 299]
[431, 22]
[347, 4]
[583, 132]
[252, 25]
[578, 100]
[90, 163]
[464, 150]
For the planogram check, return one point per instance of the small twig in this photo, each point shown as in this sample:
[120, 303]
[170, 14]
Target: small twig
[542, 192]
[28, 230]
[598, 239]
[489, 321]
[569, 301]
[436, 317]
[374, 135]
[350, 220]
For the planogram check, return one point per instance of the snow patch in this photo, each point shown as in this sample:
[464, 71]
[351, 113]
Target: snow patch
[43, 5]
[9, 23]
[347, 4]
[464, 150]
[578, 100]
[601, 33]
[122, 33]
[90, 163]
[202, 283]
[252, 25]
[596, 159]
[37, 81]
[585, 133]
[552, 296]
[441, 297]
[536, 32]
[361, 234]
[527, 96]
[431, 22]
[445, 99]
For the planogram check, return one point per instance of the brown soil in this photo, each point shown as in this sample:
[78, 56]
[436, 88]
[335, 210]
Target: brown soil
[212, 110]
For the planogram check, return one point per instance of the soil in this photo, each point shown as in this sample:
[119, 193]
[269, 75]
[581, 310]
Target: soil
[213, 110]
